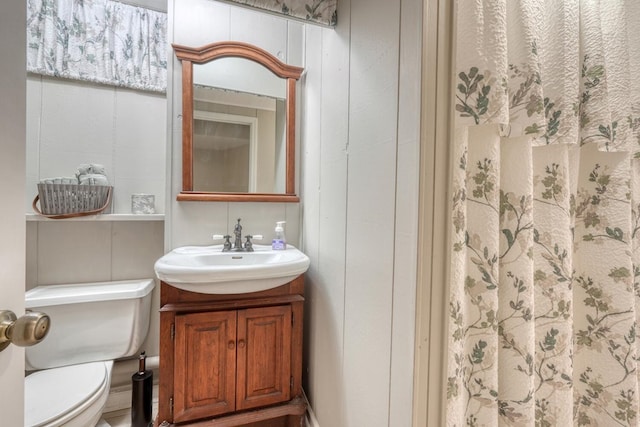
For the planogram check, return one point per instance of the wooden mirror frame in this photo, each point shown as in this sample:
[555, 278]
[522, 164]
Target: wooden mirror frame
[188, 56]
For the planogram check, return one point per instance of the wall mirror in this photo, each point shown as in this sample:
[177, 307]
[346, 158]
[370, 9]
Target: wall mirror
[238, 124]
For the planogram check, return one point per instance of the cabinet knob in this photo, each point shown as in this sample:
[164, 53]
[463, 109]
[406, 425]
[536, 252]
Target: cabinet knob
[241, 344]
[231, 345]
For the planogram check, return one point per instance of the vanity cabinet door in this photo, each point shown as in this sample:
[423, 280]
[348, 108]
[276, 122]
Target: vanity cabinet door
[263, 356]
[205, 361]
[231, 359]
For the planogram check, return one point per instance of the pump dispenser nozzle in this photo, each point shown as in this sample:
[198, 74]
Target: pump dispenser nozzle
[142, 363]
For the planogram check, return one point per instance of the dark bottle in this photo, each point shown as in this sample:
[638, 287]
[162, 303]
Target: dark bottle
[141, 395]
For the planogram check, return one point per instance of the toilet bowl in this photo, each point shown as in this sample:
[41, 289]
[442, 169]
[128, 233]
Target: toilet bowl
[91, 325]
[69, 396]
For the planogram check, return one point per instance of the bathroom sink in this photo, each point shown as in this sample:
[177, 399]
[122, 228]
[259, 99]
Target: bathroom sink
[206, 269]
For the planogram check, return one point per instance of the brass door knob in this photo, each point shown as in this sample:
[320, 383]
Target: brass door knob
[28, 330]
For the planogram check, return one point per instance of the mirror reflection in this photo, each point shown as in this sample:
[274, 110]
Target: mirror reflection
[239, 140]
[238, 124]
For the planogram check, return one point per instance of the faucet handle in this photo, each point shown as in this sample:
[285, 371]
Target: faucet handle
[248, 245]
[226, 246]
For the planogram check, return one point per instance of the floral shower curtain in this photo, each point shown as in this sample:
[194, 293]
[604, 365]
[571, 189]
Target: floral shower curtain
[545, 292]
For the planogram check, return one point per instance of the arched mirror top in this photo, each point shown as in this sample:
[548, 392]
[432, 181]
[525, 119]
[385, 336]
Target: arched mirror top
[201, 55]
[258, 151]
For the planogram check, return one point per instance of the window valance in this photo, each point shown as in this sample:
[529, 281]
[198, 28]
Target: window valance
[101, 41]
[322, 12]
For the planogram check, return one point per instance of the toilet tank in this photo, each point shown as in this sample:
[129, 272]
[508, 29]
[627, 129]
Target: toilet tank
[90, 321]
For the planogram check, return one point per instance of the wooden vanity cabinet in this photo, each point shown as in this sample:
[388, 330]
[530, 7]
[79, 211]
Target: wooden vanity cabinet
[231, 360]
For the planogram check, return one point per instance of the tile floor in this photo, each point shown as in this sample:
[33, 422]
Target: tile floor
[121, 418]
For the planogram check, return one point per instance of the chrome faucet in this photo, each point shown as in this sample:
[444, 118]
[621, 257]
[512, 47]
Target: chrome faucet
[237, 245]
[237, 231]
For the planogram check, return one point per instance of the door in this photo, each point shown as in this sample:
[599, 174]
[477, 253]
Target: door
[205, 359]
[263, 356]
[12, 207]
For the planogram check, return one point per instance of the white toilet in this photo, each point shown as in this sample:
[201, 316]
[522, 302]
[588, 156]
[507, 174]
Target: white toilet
[91, 325]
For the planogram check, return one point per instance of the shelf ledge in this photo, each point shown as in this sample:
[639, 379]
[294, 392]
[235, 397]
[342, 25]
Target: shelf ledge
[101, 217]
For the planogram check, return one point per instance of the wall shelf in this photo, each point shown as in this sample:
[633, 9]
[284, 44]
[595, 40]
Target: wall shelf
[101, 217]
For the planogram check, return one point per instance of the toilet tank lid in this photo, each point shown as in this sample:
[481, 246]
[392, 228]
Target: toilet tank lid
[44, 296]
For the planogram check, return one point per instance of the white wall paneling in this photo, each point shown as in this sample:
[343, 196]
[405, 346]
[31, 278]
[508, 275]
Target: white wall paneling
[325, 205]
[261, 29]
[373, 112]
[70, 123]
[310, 199]
[94, 251]
[139, 147]
[360, 192]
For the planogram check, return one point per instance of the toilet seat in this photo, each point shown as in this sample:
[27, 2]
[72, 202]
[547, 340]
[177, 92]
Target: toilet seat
[54, 397]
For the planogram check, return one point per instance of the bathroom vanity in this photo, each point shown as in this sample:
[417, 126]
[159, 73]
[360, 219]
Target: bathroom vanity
[231, 359]
[231, 317]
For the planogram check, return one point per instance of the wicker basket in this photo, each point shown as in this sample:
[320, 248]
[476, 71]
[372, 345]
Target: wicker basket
[71, 200]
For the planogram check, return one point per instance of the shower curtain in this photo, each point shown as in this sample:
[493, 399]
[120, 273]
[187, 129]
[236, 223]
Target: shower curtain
[545, 271]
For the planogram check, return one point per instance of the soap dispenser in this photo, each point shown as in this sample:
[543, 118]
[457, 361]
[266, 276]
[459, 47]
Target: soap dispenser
[279, 242]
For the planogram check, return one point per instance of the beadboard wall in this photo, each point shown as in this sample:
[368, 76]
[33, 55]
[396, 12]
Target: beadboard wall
[71, 122]
[360, 192]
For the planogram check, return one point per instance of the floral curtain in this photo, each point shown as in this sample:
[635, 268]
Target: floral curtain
[314, 11]
[546, 216]
[101, 41]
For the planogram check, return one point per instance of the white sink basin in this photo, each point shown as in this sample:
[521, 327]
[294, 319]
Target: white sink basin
[208, 270]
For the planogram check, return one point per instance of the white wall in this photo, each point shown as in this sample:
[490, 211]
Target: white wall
[358, 162]
[360, 172]
[70, 123]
